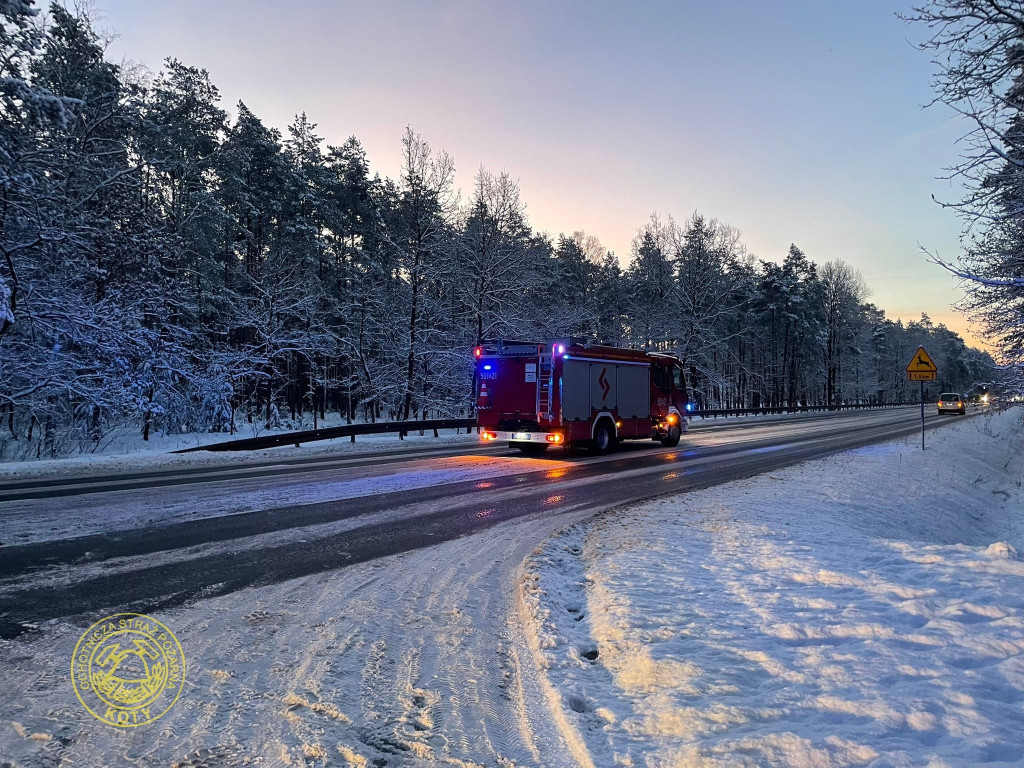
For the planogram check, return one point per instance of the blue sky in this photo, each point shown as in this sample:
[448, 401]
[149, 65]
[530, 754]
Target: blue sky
[794, 121]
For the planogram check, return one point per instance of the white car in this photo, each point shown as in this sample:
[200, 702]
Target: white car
[952, 402]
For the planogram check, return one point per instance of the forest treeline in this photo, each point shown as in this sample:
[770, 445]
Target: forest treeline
[168, 266]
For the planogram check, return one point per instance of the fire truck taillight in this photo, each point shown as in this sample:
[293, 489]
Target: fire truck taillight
[554, 438]
[488, 435]
[478, 351]
[673, 418]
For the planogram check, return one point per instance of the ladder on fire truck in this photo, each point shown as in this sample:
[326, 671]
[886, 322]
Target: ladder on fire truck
[544, 387]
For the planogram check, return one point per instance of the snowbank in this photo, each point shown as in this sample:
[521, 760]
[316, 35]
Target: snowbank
[864, 609]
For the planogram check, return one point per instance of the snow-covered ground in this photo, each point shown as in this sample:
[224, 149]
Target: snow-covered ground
[128, 441]
[158, 457]
[864, 609]
[776, 621]
[412, 660]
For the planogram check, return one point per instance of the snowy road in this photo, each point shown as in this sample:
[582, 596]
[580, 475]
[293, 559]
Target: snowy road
[343, 607]
[112, 548]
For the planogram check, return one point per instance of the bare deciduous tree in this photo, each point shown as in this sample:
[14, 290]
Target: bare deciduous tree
[978, 50]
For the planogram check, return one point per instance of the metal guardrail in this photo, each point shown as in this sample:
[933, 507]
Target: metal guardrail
[330, 433]
[404, 427]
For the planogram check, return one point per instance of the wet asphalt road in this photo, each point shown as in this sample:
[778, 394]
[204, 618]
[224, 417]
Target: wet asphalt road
[272, 545]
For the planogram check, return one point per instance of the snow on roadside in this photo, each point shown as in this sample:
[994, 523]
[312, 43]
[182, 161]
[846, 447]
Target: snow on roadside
[128, 441]
[863, 609]
[159, 459]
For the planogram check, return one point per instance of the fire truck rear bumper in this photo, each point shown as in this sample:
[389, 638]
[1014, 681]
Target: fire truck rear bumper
[551, 438]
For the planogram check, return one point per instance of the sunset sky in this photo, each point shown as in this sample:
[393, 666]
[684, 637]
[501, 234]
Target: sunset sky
[797, 122]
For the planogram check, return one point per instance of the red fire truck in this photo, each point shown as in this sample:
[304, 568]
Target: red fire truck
[569, 393]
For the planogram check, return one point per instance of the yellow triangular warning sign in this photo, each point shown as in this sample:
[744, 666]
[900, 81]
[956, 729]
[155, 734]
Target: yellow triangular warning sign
[921, 363]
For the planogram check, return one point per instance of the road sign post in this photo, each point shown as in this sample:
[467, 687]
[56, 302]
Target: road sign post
[922, 369]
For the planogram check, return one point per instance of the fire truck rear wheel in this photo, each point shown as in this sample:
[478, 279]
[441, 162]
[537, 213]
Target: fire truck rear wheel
[671, 440]
[604, 438]
[531, 449]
